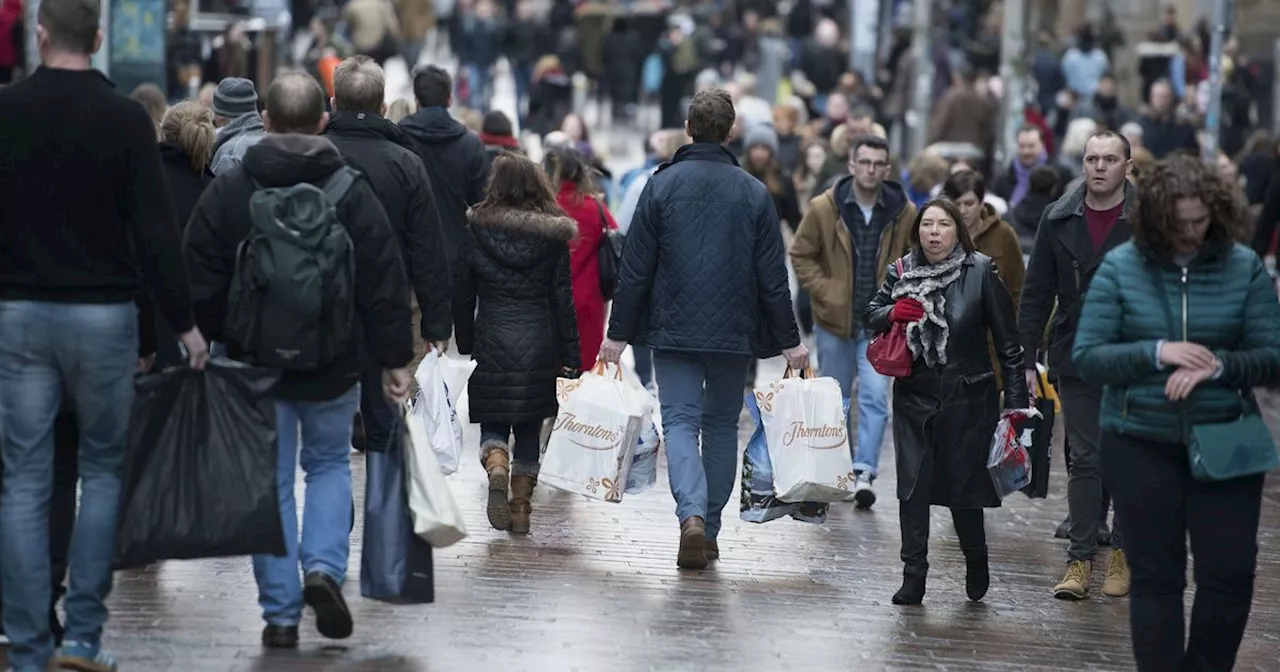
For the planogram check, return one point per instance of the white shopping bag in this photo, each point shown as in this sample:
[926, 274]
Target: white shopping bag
[436, 517]
[434, 403]
[594, 437]
[456, 373]
[806, 430]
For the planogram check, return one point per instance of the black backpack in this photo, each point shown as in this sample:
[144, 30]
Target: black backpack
[292, 299]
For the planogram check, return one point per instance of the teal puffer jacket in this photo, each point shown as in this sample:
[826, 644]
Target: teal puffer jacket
[1223, 299]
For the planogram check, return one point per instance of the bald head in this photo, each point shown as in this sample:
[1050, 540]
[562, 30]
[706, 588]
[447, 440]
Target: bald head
[295, 104]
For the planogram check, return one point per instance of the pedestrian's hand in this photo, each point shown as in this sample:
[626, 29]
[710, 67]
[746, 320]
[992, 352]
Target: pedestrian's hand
[439, 346]
[906, 310]
[395, 384]
[1187, 355]
[145, 363]
[1184, 380]
[1033, 384]
[611, 351]
[797, 357]
[197, 348]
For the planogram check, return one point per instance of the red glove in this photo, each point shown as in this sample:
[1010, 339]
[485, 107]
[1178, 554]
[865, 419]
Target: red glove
[906, 310]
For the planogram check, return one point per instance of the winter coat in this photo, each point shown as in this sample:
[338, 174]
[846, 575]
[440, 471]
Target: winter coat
[1025, 218]
[417, 18]
[373, 23]
[1269, 218]
[481, 43]
[1222, 299]
[185, 185]
[823, 255]
[965, 115]
[385, 154]
[1007, 181]
[515, 265]
[997, 239]
[775, 59]
[221, 221]
[1062, 264]
[456, 164]
[951, 410]
[584, 262]
[623, 54]
[550, 101]
[703, 267]
[1163, 136]
[234, 140]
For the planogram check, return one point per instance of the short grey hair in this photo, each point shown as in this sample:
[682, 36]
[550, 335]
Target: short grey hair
[72, 25]
[359, 85]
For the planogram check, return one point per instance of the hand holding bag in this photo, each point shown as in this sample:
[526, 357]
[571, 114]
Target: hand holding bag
[888, 353]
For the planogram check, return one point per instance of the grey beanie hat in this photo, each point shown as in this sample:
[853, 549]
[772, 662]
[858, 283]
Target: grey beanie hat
[761, 134]
[235, 97]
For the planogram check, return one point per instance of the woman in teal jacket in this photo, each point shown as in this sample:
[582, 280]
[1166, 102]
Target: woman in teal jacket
[1179, 325]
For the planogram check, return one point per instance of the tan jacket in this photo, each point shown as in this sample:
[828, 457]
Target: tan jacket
[823, 258]
[997, 239]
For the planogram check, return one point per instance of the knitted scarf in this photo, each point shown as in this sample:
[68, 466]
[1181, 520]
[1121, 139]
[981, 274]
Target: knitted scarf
[927, 283]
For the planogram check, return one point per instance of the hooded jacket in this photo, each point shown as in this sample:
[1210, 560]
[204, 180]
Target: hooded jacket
[221, 221]
[234, 140]
[185, 184]
[456, 164]
[385, 154]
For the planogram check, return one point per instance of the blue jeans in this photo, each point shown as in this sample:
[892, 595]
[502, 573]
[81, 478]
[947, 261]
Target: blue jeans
[644, 363]
[317, 434]
[842, 359]
[701, 398]
[481, 84]
[92, 350]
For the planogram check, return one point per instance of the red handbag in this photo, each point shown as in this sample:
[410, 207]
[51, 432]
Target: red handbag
[888, 352]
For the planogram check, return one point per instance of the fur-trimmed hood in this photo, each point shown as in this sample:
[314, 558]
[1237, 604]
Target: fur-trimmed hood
[520, 238]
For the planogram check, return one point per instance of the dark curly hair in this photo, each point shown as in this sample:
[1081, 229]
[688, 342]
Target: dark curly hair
[1163, 183]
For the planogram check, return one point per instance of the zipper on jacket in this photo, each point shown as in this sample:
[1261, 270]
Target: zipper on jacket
[1184, 303]
[1185, 405]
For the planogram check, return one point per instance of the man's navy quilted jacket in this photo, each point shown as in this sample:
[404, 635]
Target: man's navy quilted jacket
[702, 268]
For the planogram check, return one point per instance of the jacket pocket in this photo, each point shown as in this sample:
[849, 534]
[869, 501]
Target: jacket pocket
[975, 378]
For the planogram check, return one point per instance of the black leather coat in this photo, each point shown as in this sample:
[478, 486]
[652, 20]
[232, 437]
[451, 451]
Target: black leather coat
[946, 416]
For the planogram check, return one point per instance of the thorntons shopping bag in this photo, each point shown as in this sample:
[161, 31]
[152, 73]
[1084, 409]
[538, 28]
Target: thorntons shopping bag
[758, 503]
[594, 437]
[806, 429]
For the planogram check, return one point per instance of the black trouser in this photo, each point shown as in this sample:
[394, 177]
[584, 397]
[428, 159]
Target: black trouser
[377, 414]
[1081, 403]
[526, 449]
[1161, 504]
[913, 518]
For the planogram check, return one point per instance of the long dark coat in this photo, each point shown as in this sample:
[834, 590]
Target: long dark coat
[949, 413]
[515, 265]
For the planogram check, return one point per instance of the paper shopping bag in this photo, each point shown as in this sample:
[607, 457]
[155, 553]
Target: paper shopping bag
[594, 437]
[806, 430]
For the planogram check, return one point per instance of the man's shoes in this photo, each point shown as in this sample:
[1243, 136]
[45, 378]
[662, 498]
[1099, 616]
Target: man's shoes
[693, 544]
[324, 595]
[1075, 585]
[280, 636]
[1117, 582]
[864, 496]
[84, 657]
[712, 550]
[1064, 529]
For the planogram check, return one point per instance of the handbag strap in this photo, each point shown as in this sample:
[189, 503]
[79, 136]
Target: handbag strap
[604, 221]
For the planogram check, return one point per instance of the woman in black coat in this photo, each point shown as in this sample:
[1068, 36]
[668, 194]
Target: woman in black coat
[945, 412]
[514, 261]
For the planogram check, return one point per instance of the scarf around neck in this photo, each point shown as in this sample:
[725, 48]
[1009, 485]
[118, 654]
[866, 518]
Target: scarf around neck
[928, 283]
[1022, 184]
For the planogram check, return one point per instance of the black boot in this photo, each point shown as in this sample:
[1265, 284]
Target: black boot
[912, 590]
[973, 541]
[977, 575]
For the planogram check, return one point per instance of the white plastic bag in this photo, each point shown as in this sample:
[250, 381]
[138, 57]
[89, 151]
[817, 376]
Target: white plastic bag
[436, 517]
[434, 402]
[595, 435]
[806, 429]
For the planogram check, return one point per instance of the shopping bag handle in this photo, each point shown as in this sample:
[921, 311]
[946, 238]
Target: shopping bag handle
[602, 369]
[806, 372]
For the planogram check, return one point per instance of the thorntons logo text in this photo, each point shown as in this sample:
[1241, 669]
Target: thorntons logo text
[568, 422]
[798, 430]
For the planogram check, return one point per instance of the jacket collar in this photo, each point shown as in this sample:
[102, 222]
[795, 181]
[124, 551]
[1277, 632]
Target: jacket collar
[1072, 203]
[1068, 212]
[702, 151]
[366, 125]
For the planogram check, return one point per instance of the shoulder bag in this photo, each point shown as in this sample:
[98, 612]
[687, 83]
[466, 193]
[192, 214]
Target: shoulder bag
[608, 255]
[888, 352]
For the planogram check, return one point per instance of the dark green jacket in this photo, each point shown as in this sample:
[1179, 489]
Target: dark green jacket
[1223, 300]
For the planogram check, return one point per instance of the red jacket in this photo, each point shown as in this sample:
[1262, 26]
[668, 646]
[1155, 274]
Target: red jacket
[585, 266]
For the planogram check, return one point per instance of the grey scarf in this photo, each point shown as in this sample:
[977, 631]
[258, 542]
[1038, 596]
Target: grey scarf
[927, 283]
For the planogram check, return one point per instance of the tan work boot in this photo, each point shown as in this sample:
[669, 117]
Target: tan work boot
[521, 502]
[1117, 582]
[693, 544]
[498, 466]
[1075, 585]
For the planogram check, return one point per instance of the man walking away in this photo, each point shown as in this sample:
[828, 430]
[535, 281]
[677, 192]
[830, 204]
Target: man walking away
[87, 228]
[454, 157]
[384, 153]
[704, 283]
[261, 310]
[235, 109]
[1074, 235]
[846, 241]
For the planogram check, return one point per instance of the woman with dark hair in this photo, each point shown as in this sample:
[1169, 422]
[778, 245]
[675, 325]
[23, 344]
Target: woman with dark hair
[945, 412]
[571, 177]
[1179, 325]
[514, 262]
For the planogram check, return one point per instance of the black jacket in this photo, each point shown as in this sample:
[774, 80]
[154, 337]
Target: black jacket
[949, 413]
[550, 101]
[1269, 218]
[1025, 218]
[185, 185]
[221, 222]
[703, 267]
[1062, 263]
[515, 264]
[386, 156]
[1008, 180]
[1166, 135]
[457, 165]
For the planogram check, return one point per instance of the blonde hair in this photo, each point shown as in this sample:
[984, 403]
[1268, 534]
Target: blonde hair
[399, 109]
[189, 125]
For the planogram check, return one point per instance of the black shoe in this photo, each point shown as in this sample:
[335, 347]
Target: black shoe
[1104, 534]
[324, 595]
[55, 627]
[977, 576]
[1064, 529]
[911, 592]
[280, 636]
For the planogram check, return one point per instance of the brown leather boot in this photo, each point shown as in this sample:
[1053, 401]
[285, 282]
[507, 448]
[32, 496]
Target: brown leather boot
[713, 550]
[498, 466]
[693, 544]
[521, 498]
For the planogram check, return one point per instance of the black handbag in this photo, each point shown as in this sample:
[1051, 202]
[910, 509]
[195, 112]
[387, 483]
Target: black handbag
[608, 255]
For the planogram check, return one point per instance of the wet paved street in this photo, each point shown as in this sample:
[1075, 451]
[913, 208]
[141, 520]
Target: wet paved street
[595, 587]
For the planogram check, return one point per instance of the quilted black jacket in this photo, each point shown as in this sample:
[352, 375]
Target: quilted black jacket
[515, 264]
[703, 268]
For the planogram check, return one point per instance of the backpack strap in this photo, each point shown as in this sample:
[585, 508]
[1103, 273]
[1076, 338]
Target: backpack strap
[338, 184]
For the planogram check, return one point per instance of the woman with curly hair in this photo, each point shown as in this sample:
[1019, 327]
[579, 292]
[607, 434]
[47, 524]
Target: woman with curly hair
[1179, 325]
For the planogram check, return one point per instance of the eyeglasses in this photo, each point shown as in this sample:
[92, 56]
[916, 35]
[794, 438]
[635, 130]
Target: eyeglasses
[868, 163]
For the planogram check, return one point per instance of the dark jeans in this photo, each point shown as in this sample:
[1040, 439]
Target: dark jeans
[644, 363]
[526, 449]
[913, 519]
[1161, 505]
[1081, 403]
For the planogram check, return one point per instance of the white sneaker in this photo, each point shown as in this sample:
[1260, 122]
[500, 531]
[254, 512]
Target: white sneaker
[863, 493]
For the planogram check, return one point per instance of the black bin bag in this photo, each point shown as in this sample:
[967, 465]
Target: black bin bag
[1041, 449]
[200, 467]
